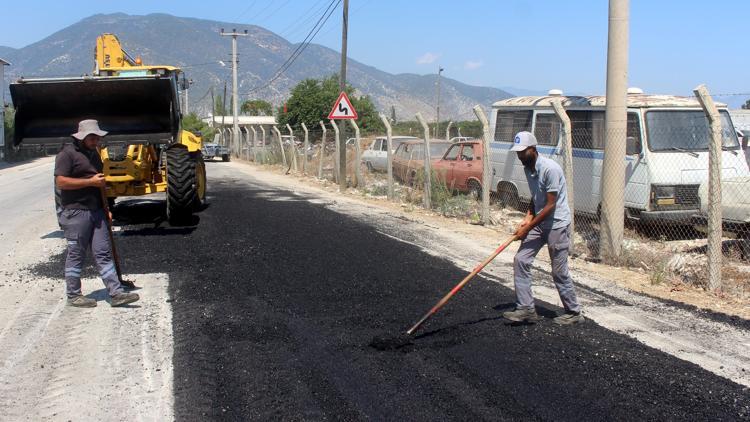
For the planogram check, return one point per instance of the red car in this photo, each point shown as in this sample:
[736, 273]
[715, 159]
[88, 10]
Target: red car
[408, 160]
[461, 167]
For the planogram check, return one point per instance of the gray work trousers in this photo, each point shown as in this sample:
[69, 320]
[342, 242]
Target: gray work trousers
[86, 229]
[558, 242]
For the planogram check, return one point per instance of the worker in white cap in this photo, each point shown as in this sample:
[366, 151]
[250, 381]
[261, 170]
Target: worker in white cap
[547, 222]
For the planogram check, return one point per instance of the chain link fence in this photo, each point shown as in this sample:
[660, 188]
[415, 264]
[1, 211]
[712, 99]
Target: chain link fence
[665, 194]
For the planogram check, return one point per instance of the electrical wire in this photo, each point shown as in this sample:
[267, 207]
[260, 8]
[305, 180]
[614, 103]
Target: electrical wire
[332, 6]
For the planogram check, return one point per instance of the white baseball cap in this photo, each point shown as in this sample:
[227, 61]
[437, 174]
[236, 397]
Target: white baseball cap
[523, 140]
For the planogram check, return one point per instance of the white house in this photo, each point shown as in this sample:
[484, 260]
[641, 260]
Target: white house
[3, 63]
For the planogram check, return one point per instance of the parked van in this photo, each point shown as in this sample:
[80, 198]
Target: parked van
[375, 157]
[667, 151]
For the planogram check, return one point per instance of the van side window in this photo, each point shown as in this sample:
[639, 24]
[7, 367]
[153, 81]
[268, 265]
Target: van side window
[547, 129]
[588, 129]
[509, 123]
[634, 131]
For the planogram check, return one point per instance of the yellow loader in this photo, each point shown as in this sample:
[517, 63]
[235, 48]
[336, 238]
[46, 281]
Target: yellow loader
[145, 151]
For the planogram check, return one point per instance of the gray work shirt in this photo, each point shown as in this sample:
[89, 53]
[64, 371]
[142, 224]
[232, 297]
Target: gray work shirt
[548, 177]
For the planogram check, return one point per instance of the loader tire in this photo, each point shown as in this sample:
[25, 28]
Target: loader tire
[181, 184]
[200, 181]
[225, 157]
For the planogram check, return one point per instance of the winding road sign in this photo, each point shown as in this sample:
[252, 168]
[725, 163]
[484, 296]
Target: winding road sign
[343, 109]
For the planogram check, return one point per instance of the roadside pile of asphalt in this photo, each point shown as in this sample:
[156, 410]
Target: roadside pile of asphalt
[276, 301]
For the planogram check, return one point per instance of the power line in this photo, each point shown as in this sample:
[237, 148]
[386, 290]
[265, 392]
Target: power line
[302, 21]
[258, 18]
[301, 47]
[246, 9]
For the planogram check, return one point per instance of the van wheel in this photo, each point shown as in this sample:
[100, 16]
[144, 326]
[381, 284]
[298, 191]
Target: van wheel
[507, 196]
[475, 190]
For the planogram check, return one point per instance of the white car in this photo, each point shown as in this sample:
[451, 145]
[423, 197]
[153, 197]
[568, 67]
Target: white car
[375, 157]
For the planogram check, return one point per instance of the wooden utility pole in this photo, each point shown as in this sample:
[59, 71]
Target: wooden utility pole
[235, 96]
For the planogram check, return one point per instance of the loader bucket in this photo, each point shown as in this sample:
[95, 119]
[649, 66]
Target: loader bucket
[131, 109]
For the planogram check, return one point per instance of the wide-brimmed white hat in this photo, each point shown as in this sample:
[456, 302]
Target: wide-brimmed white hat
[87, 127]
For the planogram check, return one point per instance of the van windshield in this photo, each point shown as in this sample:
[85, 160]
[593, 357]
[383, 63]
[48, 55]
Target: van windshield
[675, 130]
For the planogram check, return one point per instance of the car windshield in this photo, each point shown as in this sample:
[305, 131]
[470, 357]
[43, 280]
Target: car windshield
[437, 150]
[676, 130]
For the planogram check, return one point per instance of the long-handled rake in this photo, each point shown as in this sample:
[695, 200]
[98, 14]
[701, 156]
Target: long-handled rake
[115, 255]
[382, 343]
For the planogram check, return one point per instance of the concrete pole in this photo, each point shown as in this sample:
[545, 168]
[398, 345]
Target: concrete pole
[281, 145]
[235, 97]
[486, 167]
[292, 147]
[714, 253]
[306, 145]
[389, 154]
[255, 143]
[448, 131]
[615, 124]
[342, 86]
[357, 156]
[263, 140]
[567, 162]
[427, 163]
[337, 173]
[437, 119]
[322, 155]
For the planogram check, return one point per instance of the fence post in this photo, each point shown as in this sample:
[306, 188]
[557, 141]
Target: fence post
[255, 143]
[486, 168]
[263, 140]
[567, 163]
[714, 252]
[427, 163]
[281, 145]
[448, 131]
[322, 150]
[293, 147]
[357, 156]
[337, 175]
[304, 150]
[389, 154]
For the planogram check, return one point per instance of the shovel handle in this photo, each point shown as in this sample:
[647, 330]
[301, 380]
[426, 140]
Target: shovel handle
[461, 284]
[115, 256]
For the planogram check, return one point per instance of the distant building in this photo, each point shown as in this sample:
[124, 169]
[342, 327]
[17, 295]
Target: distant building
[3, 63]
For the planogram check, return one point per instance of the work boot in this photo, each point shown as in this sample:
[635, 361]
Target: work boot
[522, 315]
[81, 301]
[568, 318]
[121, 299]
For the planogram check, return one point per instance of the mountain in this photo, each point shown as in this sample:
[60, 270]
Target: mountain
[195, 45]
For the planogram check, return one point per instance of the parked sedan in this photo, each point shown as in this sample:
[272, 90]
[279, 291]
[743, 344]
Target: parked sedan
[375, 157]
[409, 158]
[461, 167]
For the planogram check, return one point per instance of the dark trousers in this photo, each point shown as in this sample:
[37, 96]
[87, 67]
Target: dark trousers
[84, 230]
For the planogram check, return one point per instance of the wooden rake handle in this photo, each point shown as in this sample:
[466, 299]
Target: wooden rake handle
[461, 284]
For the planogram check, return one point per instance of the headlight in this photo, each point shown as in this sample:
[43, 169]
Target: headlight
[663, 195]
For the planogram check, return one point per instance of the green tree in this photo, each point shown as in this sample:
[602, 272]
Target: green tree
[393, 114]
[312, 99]
[219, 108]
[257, 108]
[194, 124]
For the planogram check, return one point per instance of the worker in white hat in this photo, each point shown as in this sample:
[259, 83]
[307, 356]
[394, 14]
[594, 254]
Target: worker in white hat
[547, 222]
[79, 178]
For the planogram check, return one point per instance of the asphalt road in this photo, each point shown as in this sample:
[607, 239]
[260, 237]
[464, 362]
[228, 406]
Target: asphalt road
[275, 300]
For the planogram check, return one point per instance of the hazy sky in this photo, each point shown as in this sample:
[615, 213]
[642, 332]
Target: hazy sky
[674, 44]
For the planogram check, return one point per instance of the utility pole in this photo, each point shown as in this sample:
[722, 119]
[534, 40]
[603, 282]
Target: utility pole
[615, 124]
[223, 113]
[235, 106]
[342, 86]
[437, 122]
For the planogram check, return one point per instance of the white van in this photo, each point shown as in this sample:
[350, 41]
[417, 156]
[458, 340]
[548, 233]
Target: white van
[375, 157]
[667, 151]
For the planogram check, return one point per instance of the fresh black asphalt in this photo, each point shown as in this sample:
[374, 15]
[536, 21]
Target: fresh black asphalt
[275, 301]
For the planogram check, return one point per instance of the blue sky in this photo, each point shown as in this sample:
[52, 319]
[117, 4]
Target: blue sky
[534, 45]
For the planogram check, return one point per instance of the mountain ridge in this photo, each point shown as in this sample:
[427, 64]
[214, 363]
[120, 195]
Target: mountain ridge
[161, 39]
